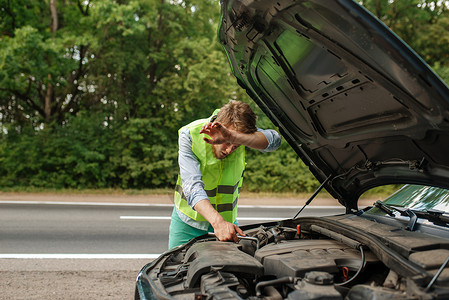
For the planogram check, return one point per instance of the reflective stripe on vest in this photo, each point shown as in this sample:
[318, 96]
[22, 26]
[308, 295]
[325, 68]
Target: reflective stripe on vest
[222, 178]
[219, 207]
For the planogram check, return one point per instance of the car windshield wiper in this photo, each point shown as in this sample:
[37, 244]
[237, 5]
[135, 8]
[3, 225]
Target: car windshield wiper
[435, 216]
[404, 212]
[384, 208]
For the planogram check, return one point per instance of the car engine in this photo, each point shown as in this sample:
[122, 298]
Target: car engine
[288, 261]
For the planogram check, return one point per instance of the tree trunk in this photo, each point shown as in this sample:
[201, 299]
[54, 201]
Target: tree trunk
[54, 16]
[49, 93]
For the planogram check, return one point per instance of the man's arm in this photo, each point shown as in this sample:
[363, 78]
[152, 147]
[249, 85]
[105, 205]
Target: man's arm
[193, 188]
[274, 139]
[220, 135]
[224, 231]
[189, 170]
[256, 140]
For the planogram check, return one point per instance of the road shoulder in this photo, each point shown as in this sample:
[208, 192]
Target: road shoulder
[168, 199]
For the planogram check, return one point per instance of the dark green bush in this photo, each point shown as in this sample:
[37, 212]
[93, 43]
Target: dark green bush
[140, 153]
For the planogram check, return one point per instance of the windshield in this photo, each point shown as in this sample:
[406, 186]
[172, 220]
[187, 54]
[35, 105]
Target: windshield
[419, 197]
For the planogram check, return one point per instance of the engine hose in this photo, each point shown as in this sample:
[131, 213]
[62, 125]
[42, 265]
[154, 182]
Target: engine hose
[263, 284]
[362, 265]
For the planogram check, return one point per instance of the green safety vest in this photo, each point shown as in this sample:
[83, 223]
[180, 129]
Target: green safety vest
[222, 178]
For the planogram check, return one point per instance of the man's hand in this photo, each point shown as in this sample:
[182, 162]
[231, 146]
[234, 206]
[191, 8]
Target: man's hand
[223, 230]
[219, 133]
[226, 231]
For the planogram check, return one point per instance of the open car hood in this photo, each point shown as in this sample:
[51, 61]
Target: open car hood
[356, 103]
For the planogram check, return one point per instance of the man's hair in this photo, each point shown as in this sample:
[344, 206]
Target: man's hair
[238, 114]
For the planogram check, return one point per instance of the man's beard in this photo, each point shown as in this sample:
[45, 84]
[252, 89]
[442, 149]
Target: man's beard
[215, 152]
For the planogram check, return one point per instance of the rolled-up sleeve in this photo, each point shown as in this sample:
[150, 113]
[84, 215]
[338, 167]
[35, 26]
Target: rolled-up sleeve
[189, 166]
[273, 138]
[190, 171]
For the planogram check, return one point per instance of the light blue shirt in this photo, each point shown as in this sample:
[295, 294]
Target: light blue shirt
[190, 172]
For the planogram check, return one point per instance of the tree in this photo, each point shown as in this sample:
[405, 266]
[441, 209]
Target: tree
[40, 65]
[92, 93]
[140, 58]
[422, 24]
[141, 68]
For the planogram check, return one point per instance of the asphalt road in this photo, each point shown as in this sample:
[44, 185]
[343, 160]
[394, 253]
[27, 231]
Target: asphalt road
[90, 251]
[71, 229]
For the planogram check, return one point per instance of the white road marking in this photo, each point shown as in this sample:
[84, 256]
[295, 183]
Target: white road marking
[293, 207]
[144, 218]
[259, 218]
[168, 218]
[77, 256]
[86, 203]
[157, 204]
[239, 218]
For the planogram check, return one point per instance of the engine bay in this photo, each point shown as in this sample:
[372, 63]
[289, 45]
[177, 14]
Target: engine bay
[292, 261]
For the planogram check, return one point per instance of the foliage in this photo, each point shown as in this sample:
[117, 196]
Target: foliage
[278, 171]
[146, 155]
[422, 24]
[71, 156]
[92, 93]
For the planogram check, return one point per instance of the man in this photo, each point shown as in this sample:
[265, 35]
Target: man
[211, 164]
